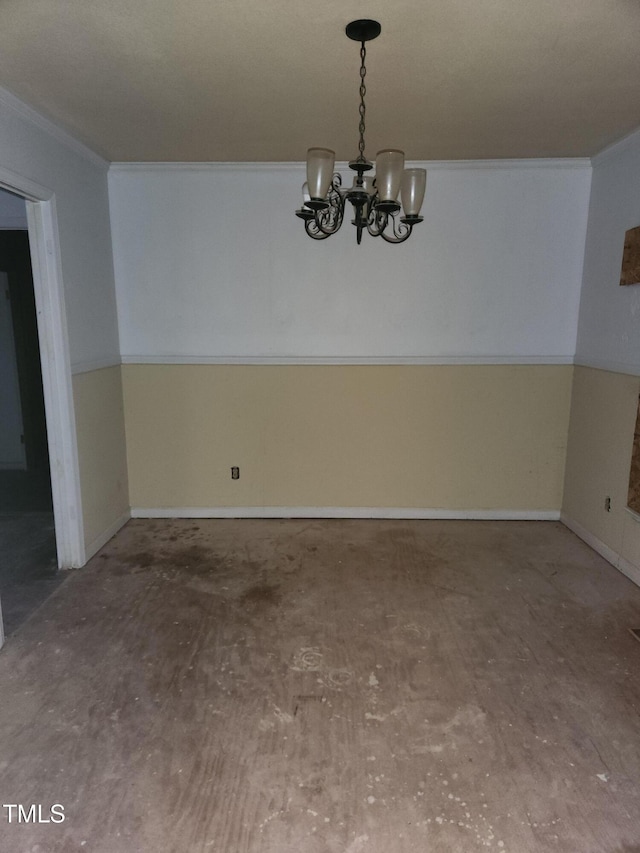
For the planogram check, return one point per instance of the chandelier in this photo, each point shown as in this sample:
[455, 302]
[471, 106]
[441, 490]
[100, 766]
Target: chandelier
[374, 197]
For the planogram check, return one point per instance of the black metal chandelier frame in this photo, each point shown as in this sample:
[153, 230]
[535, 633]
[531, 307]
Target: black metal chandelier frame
[324, 217]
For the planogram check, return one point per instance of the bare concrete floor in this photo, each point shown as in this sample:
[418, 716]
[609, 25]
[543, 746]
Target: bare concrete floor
[328, 687]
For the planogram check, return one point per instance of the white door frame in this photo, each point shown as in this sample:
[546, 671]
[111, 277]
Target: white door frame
[56, 367]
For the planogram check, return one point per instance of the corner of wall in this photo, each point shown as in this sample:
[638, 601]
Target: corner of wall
[104, 478]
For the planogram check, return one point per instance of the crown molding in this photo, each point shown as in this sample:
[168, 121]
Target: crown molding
[26, 112]
[452, 165]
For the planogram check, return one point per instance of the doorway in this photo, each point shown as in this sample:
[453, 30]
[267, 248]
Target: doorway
[39, 202]
[28, 560]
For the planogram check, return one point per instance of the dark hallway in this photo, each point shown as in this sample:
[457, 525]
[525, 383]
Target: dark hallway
[28, 565]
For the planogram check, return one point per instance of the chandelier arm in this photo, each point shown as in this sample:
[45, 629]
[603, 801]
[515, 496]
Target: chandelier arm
[377, 222]
[401, 231]
[311, 228]
[329, 220]
[334, 194]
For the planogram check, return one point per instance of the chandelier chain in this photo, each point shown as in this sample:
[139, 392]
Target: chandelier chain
[363, 91]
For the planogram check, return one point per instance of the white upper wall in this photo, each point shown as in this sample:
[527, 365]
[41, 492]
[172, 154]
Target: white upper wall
[609, 325]
[32, 149]
[210, 261]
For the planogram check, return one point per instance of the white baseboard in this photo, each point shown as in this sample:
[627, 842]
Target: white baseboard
[104, 537]
[628, 569]
[343, 512]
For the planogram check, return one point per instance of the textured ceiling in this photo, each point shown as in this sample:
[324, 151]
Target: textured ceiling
[224, 80]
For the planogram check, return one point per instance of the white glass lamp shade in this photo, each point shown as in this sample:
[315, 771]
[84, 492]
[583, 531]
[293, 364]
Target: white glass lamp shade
[414, 182]
[320, 162]
[389, 166]
[305, 193]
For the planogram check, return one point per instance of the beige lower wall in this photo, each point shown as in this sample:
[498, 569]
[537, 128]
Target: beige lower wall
[434, 437]
[101, 449]
[448, 437]
[603, 414]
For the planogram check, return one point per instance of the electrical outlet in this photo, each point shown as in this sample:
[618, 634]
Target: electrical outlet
[235, 473]
[607, 503]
